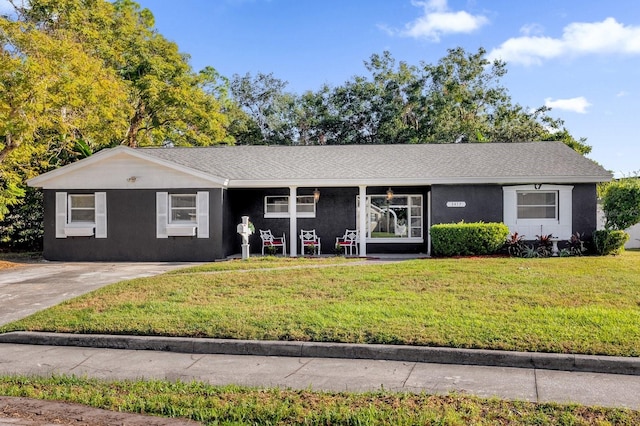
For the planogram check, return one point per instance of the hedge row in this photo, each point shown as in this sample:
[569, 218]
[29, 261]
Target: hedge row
[463, 239]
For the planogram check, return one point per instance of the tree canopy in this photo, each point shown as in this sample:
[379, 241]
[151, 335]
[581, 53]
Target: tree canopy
[458, 99]
[95, 73]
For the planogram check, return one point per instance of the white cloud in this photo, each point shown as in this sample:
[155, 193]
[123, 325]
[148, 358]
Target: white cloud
[532, 29]
[622, 94]
[578, 38]
[439, 20]
[578, 104]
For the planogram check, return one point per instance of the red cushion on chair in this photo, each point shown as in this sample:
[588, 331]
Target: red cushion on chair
[277, 241]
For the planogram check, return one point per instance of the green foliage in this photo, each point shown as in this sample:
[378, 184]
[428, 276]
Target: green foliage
[621, 203]
[22, 228]
[458, 99]
[515, 245]
[468, 238]
[544, 245]
[609, 241]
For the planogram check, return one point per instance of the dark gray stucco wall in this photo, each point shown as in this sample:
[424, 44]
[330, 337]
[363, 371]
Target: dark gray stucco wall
[483, 203]
[584, 208]
[131, 231]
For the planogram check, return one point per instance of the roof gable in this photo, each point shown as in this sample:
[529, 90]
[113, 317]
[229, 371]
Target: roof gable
[124, 167]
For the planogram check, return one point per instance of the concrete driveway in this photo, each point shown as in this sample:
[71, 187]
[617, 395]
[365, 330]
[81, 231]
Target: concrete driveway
[29, 288]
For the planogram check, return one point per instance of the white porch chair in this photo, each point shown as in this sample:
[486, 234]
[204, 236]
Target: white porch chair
[348, 240]
[309, 239]
[268, 240]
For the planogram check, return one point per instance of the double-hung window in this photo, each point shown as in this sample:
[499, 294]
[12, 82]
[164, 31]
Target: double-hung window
[183, 208]
[277, 206]
[537, 204]
[82, 208]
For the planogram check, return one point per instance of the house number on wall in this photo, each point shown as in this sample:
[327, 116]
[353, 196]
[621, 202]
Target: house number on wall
[456, 204]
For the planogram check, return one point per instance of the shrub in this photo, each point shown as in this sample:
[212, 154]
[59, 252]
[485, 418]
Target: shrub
[544, 245]
[22, 228]
[515, 245]
[609, 241]
[457, 239]
[621, 203]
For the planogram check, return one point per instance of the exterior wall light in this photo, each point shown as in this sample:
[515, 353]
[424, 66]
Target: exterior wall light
[389, 194]
[316, 195]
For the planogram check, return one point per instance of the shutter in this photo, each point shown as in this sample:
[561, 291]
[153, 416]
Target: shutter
[510, 208]
[162, 216]
[101, 215]
[565, 212]
[202, 207]
[61, 214]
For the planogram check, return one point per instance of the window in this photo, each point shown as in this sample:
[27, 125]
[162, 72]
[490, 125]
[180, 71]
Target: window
[82, 208]
[182, 215]
[537, 205]
[183, 208]
[278, 206]
[81, 215]
[399, 219]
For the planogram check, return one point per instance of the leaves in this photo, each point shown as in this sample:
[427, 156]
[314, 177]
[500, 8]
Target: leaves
[621, 203]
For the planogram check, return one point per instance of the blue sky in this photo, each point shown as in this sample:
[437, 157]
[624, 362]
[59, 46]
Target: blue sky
[581, 57]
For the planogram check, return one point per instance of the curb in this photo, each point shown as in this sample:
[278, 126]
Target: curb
[536, 360]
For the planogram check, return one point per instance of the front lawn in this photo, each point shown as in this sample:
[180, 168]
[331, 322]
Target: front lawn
[587, 305]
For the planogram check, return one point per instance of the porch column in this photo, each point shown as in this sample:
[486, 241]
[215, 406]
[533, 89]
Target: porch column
[293, 222]
[362, 221]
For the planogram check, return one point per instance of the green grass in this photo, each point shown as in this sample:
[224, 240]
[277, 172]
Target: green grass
[232, 405]
[265, 262]
[588, 305]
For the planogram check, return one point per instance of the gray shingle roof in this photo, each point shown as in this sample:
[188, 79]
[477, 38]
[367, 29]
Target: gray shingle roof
[429, 163]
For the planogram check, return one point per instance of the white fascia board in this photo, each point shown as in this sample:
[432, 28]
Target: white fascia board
[236, 183]
[41, 180]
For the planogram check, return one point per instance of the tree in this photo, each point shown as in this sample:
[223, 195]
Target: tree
[263, 98]
[51, 94]
[168, 100]
[97, 73]
[621, 203]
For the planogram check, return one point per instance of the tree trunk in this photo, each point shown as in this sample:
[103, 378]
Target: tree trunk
[131, 138]
[9, 146]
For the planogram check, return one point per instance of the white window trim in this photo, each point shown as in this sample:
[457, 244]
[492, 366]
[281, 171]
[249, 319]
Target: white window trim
[284, 215]
[392, 240]
[65, 228]
[166, 229]
[561, 227]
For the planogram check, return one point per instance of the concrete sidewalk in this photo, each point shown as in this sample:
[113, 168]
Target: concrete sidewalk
[332, 374]
[328, 366]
